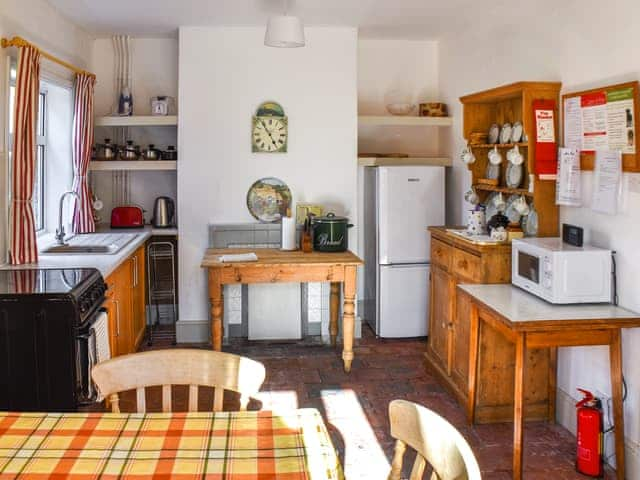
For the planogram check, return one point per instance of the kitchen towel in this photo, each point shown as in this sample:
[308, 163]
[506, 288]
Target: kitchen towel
[100, 331]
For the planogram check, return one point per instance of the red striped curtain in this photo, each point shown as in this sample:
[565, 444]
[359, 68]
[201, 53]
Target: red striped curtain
[22, 242]
[82, 142]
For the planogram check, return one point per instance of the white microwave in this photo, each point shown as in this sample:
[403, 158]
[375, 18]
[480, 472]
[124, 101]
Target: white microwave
[561, 273]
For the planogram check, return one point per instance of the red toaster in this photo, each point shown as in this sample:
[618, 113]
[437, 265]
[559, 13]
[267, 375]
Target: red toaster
[127, 216]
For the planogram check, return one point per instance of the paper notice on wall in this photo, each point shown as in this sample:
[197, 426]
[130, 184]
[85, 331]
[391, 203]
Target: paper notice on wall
[620, 121]
[545, 129]
[594, 121]
[606, 178]
[573, 123]
[568, 180]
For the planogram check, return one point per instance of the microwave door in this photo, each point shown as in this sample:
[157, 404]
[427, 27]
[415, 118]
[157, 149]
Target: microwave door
[529, 267]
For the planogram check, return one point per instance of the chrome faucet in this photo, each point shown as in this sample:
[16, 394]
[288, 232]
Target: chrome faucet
[60, 231]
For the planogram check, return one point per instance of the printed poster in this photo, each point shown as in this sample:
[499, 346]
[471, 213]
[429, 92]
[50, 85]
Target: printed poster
[601, 121]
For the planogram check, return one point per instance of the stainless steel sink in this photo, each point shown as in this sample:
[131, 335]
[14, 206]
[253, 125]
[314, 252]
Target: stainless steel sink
[92, 244]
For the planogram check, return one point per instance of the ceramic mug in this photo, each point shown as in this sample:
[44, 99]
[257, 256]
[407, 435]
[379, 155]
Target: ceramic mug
[472, 197]
[495, 157]
[514, 156]
[467, 155]
[521, 206]
[476, 222]
[499, 234]
[499, 202]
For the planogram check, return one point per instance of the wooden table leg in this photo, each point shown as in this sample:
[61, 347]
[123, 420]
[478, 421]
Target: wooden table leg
[615, 359]
[553, 375]
[474, 337]
[348, 316]
[217, 308]
[518, 405]
[334, 311]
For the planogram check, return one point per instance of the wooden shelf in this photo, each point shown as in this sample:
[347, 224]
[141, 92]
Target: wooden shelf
[507, 190]
[398, 161]
[404, 120]
[140, 165]
[500, 145]
[137, 121]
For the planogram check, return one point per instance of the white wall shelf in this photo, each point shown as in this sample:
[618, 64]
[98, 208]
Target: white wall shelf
[137, 121]
[396, 161]
[111, 165]
[404, 121]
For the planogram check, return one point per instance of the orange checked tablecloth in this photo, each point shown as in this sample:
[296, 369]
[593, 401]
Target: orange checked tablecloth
[226, 445]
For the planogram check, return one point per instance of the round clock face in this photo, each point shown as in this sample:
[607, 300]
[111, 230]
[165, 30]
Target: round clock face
[269, 134]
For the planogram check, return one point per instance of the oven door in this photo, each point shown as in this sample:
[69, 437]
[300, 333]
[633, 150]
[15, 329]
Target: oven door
[86, 358]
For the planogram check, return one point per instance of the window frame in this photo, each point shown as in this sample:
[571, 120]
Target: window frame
[39, 193]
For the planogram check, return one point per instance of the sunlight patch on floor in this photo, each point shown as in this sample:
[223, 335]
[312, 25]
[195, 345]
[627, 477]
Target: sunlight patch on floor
[278, 400]
[363, 455]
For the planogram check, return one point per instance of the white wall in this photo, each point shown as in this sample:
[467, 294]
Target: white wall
[564, 47]
[389, 70]
[154, 72]
[39, 22]
[225, 73]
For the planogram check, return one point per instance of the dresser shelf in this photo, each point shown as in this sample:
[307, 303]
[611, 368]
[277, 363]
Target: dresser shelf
[137, 121]
[139, 165]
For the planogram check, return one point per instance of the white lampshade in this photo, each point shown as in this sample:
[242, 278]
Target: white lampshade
[284, 31]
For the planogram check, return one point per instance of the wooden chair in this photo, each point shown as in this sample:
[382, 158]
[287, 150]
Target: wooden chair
[192, 367]
[436, 442]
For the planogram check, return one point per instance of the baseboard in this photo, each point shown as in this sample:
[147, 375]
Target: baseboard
[194, 331]
[566, 416]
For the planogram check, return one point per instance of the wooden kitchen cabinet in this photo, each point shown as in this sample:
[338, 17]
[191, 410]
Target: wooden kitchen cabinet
[125, 304]
[455, 261]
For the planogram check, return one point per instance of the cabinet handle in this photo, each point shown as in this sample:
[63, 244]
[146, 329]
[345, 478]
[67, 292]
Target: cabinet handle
[117, 317]
[135, 271]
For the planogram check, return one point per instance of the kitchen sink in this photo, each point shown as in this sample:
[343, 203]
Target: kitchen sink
[92, 243]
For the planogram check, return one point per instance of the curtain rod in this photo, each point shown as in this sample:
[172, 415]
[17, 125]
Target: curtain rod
[21, 42]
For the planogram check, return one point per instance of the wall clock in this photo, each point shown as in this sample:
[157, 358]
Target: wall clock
[270, 129]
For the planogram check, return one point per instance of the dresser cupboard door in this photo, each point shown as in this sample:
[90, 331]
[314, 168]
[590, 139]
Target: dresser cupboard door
[440, 315]
[460, 343]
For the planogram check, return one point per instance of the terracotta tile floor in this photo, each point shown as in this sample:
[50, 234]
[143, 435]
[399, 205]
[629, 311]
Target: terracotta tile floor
[309, 374]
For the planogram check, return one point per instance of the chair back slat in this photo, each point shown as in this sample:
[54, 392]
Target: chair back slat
[166, 398]
[218, 399]
[115, 402]
[141, 401]
[193, 398]
[244, 402]
[193, 367]
[435, 440]
[418, 468]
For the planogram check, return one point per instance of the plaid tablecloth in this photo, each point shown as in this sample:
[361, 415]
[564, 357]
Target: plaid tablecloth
[230, 445]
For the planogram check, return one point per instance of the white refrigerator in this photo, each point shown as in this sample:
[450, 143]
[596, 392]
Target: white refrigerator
[399, 204]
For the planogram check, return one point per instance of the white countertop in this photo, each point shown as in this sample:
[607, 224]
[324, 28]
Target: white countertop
[517, 305]
[105, 263]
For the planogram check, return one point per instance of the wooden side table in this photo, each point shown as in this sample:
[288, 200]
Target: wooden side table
[532, 323]
[276, 266]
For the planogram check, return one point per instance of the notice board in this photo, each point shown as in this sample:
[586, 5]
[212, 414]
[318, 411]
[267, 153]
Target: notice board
[603, 118]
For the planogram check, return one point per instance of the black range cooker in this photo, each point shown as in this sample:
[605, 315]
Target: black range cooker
[47, 344]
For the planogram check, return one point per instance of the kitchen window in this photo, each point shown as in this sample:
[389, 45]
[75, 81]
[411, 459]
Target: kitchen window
[38, 202]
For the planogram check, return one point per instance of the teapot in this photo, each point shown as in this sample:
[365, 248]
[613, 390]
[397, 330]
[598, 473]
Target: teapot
[151, 153]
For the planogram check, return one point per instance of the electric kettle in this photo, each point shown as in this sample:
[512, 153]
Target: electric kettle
[163, 213]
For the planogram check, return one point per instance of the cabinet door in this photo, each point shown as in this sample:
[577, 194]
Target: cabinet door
[440, 315]
[138, 319]
[460, 343]
[123, 298]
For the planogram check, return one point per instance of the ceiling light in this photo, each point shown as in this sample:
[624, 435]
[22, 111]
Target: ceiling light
[284, 31]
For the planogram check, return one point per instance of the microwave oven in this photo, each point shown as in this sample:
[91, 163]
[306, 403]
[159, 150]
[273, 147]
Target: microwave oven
[561, 273]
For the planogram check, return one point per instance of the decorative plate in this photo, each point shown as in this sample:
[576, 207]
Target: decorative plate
[513, 175]
[493, 172]
[490, 205]
[268, 199]
[516, 132]
[530, 223]
[511, 213]
[494, 133]
[505, 133]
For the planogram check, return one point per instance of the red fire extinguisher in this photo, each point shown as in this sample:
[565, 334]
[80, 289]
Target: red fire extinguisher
[590, 435]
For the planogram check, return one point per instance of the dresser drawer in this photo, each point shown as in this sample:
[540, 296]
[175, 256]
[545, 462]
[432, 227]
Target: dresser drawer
[467, 266]
[441, 253]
